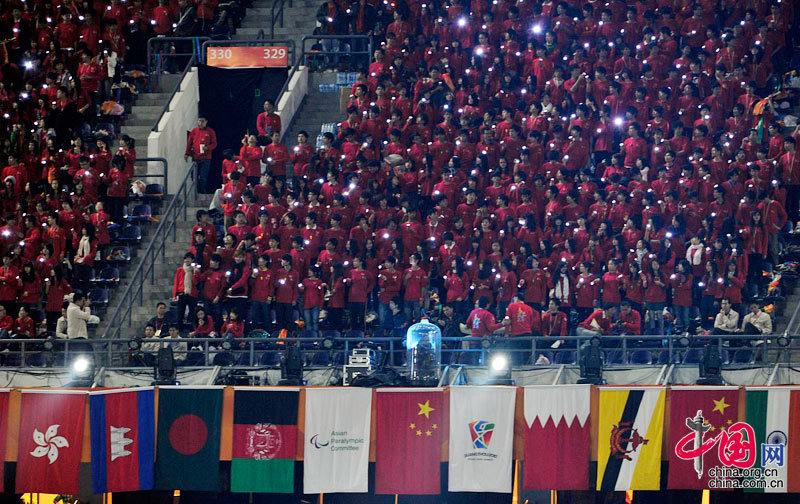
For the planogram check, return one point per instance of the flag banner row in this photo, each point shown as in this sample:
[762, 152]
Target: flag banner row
[176, 437]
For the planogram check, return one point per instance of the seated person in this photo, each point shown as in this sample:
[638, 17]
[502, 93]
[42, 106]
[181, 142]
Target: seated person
[727, 321]
[756, 321]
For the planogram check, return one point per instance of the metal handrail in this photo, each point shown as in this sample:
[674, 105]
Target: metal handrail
[161, 40]
[177, 209]
[301, 60]
[275, 4]
[163, 162]
[111, 351]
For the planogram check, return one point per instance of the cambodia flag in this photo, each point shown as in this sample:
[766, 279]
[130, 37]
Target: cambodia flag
[50, 441]
[123, 440]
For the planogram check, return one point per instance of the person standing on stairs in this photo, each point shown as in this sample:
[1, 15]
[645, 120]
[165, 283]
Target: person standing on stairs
[199, 146]
[268, 121]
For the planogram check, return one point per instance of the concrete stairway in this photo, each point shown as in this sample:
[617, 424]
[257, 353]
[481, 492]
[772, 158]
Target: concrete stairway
[298, 21]
[161, 289]
[145, 112]
[317, 109]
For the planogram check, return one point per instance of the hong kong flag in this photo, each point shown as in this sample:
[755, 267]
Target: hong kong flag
[50, 441]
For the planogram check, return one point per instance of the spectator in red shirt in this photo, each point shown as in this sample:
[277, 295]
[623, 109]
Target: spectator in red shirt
[200, 145]
[415, 281]
[313, 295]
[521, 321]
[268, 121]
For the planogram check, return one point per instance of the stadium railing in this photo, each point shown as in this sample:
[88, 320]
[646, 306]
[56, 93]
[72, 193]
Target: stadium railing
[111, 350]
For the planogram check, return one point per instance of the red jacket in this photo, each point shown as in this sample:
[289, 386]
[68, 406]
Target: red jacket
[214, 284]
[524, 319]
[602, 321]
[554, 324]
[390, 284]
[285, 283]
[482, 323]
[359, 282]
[177, 286]
[206, 137]
[313, 293]
[612, 285]
[261, 286]
[681, 289]
[587, 291]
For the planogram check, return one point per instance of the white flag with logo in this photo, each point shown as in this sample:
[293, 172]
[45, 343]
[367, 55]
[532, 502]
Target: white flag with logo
[336, 454]
[481, 438]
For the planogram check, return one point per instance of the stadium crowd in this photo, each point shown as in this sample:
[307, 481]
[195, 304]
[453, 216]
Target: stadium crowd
[532, 168]
[65, 77]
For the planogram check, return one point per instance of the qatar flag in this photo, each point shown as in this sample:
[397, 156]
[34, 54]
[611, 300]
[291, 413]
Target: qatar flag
[557, 443]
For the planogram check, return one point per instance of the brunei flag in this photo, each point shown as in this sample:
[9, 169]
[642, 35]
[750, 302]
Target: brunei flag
[774, 415]
[630, 427]
[264, 439]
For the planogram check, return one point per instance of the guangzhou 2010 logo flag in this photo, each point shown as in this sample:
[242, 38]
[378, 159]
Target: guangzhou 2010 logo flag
[481, 433]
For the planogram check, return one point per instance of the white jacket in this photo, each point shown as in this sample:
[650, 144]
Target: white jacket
[77, 318]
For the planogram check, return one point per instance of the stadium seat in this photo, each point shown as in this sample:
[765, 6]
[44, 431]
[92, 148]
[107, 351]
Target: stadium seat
[641, 357]
[141, 214]
[693, 356]
[565, 357]
[322, 358]
[108, 276]
[743, 356]
[614, 357]
[130, 234]
[98, 297]
[119, 255]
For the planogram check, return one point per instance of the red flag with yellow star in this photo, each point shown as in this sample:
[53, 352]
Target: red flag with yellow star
[699, 415]
[408, 441]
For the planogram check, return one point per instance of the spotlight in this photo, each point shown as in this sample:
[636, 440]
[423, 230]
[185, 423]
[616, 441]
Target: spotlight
[135, 344]
[500, 370]
[164, 371]
[291, 366]
[82, 372]
[710, 367]
[591, 365]
[327, 343]
[226, 345]
[784, 340]
[684, 341]
[80, 366]
[486, 343]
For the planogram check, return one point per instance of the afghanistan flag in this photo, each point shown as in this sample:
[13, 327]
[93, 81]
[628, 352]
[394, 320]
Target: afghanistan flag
[699, 416]
[629, 438]
[189, 421]
[409, 441]
[123, 439]
[774, 415]
[264, 439]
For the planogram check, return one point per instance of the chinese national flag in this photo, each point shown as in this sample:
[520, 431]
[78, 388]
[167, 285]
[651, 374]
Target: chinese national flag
[409, 441]
[718, 407]
[50, 441]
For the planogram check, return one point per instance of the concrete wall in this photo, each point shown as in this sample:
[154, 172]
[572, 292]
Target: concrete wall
[170, 140]
[290, 101]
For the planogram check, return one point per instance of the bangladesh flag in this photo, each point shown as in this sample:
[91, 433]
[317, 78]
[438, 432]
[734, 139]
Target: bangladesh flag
[264, 440]
[189, 421]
